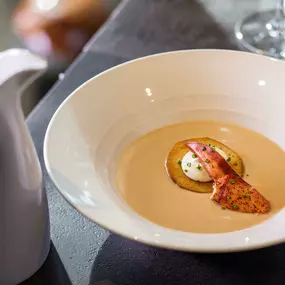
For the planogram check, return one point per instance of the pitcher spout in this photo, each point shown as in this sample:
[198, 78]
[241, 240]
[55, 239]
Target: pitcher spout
[15, 62]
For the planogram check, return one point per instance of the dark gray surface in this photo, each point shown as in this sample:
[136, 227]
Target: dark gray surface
[143, 27]
[81, 250]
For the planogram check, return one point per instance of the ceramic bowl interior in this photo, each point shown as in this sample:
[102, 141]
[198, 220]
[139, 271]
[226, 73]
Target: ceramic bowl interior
[101, 118]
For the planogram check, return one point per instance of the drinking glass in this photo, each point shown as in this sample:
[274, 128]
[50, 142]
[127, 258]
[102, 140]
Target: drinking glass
[264, 32]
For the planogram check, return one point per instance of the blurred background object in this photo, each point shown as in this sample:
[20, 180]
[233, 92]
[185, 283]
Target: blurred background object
[58, 29]
[264, 31]
[54, 29]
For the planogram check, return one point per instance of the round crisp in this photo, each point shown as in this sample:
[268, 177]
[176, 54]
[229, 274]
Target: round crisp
[176, 173]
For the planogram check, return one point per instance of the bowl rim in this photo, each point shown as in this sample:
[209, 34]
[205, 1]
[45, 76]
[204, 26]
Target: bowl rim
[165, 245]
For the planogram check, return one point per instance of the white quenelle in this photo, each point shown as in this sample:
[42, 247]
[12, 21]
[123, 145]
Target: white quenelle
[193, 168]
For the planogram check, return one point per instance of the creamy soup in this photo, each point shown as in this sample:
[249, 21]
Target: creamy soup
[143, 181]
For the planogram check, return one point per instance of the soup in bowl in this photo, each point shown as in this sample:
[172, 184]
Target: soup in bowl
[182, 150]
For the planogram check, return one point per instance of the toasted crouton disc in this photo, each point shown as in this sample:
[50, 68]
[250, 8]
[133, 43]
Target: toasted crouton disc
[177, 175]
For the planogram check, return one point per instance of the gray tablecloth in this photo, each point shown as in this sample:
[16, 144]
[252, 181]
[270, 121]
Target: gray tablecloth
[143, 27]
[82, 252]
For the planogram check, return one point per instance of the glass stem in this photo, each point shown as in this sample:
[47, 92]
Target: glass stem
[278, 22]
[280, 9]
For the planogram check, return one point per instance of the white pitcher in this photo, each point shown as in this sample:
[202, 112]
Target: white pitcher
[24, 223]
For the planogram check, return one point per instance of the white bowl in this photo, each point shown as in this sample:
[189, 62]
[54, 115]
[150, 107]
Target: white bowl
[103, 116]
